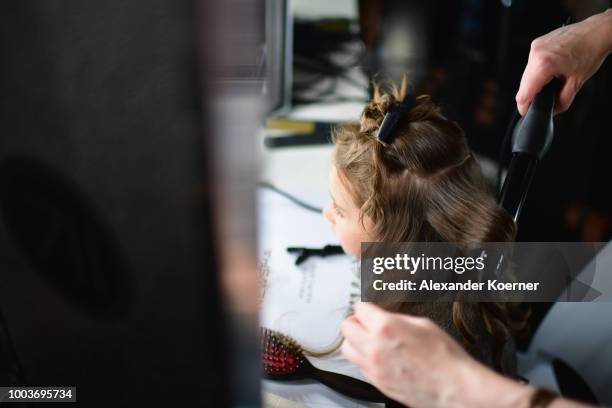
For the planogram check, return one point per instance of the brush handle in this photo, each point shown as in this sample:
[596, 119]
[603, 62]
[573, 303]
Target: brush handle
[349, 386]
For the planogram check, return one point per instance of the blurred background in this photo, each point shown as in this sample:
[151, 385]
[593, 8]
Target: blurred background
[469, 55]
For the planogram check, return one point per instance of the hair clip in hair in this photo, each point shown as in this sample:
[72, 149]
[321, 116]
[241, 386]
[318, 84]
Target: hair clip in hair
[392, 118]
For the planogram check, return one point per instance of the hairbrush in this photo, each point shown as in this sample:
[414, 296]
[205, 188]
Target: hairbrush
[284, 360]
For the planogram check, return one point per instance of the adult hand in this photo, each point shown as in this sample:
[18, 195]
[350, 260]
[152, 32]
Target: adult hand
[415, 362]
[571, 53]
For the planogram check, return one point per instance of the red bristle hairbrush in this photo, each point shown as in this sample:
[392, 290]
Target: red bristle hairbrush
[284, 360]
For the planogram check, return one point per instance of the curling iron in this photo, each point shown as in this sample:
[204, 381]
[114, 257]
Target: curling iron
[531, 138]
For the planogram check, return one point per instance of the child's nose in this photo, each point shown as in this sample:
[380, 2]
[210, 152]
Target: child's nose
[328, 214]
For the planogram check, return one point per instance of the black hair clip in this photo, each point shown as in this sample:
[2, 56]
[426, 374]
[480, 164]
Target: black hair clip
[305, 253]
[392, 117]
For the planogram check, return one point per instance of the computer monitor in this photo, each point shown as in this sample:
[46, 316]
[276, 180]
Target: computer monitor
[107, 263]
[278, 56]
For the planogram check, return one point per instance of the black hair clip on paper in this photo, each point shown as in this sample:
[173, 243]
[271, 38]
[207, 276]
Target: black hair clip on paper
[392, 118]
[305, 253]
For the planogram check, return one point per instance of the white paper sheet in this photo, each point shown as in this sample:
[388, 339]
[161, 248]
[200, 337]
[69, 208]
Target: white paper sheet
[307, 302]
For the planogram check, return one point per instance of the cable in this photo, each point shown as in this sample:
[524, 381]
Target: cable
[332, 98]
[327, 50]
[328, 69]
[290, 197]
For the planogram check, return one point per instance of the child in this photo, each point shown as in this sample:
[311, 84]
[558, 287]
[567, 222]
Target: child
[424, 185]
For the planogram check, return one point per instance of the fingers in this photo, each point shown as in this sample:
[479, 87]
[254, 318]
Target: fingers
[360, 333]
[352, 354]
[566, 96]
[371, 317]
[537, 74]
[359, 347]
[355, 334]
[356, 340]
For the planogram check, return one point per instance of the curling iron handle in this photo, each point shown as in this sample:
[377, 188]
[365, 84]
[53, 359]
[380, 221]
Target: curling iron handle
[533, 134]
[531, 138]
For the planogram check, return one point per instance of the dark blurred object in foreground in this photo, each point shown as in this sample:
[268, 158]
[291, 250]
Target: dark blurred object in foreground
[107, 271]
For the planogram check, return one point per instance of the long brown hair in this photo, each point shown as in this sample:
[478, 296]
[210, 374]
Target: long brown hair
[424, 186]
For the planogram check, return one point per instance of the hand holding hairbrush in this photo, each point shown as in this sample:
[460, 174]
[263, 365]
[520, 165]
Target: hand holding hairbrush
[284, 360]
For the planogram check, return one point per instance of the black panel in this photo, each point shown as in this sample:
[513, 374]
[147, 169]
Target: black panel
[107, 266]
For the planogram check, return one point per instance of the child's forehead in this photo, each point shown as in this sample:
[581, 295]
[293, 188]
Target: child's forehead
[338, 189]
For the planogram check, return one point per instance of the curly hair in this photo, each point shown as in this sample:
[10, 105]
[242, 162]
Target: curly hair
[426, 186]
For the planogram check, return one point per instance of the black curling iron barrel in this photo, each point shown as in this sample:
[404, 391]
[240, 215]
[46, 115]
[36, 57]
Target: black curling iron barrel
[531, 138]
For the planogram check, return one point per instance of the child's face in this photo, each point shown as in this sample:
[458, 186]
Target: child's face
[343, 215]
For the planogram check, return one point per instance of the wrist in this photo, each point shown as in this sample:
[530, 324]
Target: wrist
[486, 388]
[608, 23]
[602, 31]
